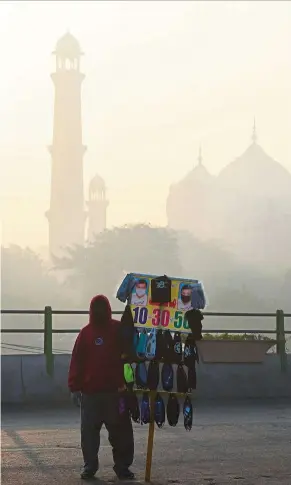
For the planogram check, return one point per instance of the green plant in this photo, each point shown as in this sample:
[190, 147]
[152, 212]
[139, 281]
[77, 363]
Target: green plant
[230, 336]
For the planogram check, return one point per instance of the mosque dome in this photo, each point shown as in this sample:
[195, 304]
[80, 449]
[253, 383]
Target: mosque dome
[68, 46]
[198, 176]
[189, 201]
[256, 172]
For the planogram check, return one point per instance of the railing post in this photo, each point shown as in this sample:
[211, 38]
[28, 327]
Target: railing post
[281, 341]
[48, 340]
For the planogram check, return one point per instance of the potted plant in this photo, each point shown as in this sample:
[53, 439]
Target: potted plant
[234, 348]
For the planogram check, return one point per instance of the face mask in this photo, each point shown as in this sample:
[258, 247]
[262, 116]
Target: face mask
[185, 298]
[140, 292]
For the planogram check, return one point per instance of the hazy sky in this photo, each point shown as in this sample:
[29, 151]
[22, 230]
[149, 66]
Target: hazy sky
[161, 77]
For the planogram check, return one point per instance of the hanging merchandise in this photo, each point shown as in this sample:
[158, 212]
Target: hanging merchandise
[161, 290]
[141, 375]
[198, 299]
[177, 344]
[167, 377]
[151, 344]
[188, 414]
[194, 319]
[128, 375]
[153, 375]
[145, 409]
[168, 347]
[126, 287]
[192, 379]
[173, 410]
[190, 358]
[159, 311]
[182, 380]
[142, 344]
[135, 344]
[127, 331]
[160, 345]
[159, 411]
[133, 406]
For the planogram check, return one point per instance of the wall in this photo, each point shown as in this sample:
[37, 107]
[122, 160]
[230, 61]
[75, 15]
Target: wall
[24, 379]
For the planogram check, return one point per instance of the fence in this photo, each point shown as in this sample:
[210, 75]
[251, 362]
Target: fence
[48, 330]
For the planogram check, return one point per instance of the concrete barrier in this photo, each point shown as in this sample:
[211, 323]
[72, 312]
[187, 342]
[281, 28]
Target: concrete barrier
[24, 379]
[11, 378]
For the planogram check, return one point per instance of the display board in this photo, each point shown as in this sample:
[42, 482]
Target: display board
[170, 315]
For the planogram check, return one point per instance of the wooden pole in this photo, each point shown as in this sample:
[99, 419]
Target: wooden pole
[152, 395]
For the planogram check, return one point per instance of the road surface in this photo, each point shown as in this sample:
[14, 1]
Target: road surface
[240, 444]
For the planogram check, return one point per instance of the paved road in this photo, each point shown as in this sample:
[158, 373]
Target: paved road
[243, 444]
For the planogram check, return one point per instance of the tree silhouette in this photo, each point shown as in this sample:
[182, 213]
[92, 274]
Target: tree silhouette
[26, 282]
[100, 266]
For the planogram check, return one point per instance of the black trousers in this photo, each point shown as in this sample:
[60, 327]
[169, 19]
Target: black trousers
[99, 409]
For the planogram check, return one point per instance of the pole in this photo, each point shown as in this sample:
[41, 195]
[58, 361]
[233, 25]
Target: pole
[151, 433]
[48, 340]
[281, 342]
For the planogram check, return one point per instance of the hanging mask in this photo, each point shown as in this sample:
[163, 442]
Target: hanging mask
[145, 409]
[177, 344]
[192, 378]
[128, 375]
[167, 377]
[188, 414]
[151, 344]
[153, 375]
[160, 345]
[159, 411]
[142, 344]
[190, 351]
[127, 333]
[194, 319]
[141, 376]
[168, 347]
[182, 380]
[133, 406]
[135, 342]
[173, 410]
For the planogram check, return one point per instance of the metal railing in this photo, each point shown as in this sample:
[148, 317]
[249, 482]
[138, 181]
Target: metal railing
[48, 330]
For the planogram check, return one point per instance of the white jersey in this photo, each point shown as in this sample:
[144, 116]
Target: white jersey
[184, 306]
[135, 300]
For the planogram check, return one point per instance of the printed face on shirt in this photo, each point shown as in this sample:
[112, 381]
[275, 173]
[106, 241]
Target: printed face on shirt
[186, 294]
[141, 289]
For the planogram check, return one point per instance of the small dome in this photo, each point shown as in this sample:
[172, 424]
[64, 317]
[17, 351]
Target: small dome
[68, 46]
[198, 174]
[97, 184]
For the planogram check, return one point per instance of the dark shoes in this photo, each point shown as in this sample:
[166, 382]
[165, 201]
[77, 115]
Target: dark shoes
[88, 474]
[124, 474]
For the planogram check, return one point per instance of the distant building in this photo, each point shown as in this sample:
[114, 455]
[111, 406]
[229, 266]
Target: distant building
[247, 206]
[66, 215]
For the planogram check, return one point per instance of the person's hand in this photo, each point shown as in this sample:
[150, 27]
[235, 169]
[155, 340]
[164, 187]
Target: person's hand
[122, 388]
[76, 398]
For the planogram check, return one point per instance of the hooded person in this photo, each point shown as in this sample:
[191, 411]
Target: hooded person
[96, 372]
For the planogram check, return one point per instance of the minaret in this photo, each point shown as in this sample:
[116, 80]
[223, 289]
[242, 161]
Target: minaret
[254, 134]
[97, 207]
[66, 215]
[200, 157]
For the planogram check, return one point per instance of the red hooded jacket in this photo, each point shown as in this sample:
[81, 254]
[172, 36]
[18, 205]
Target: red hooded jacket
[96, 364]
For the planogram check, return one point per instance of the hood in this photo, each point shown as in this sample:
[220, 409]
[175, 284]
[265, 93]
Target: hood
[100, 311]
